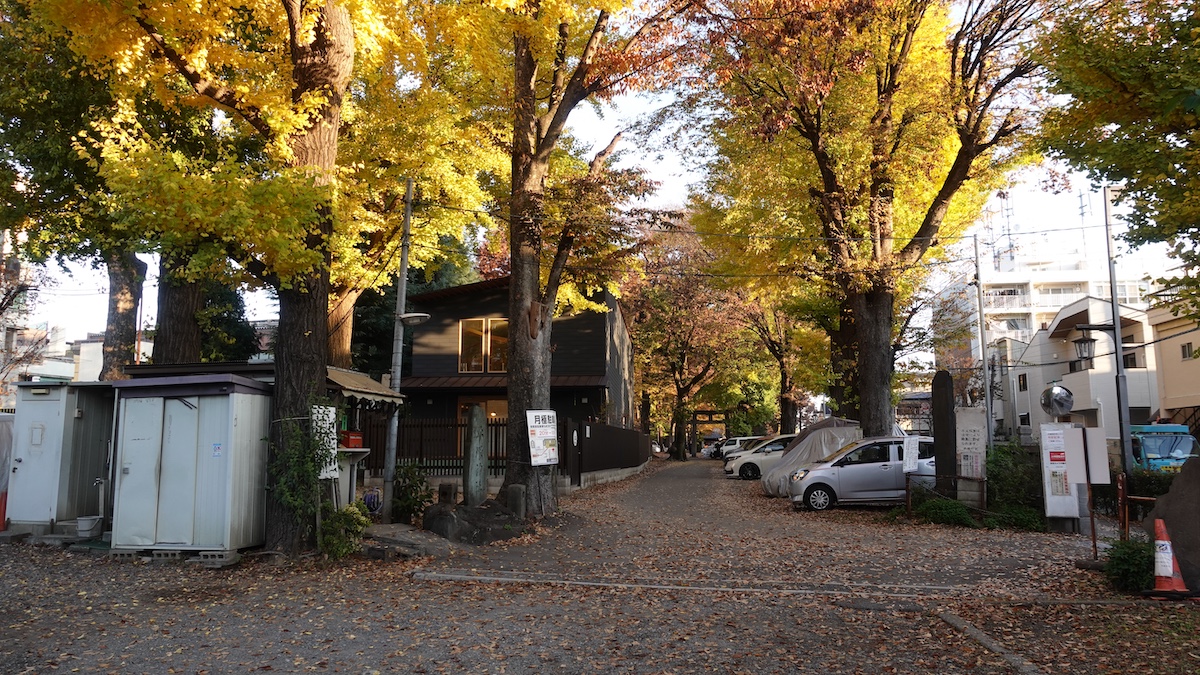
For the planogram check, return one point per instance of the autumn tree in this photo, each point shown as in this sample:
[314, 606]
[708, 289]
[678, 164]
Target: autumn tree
[1128, 78]
[53, 193]
[893, 115]
[278, 69]
[543, 61]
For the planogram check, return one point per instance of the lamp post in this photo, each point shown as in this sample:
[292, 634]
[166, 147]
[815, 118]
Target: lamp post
[402, 319]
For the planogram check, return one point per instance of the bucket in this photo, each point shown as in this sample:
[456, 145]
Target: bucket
[88, 527]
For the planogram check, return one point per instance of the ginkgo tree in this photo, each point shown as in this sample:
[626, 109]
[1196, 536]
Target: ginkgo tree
[50, 192]
[899, 122]
[539, 60]
[279, 69]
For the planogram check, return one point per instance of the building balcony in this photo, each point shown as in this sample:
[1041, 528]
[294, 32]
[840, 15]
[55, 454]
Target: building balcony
[1005, 301]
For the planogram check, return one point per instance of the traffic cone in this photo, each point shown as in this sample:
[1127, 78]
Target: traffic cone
[1168, 582]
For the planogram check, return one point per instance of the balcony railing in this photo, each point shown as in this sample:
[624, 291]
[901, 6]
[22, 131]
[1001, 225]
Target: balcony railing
[1005, 301]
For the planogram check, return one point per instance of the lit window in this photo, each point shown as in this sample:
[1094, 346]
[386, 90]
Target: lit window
[483, 345]
[470, 345]
[498, 345]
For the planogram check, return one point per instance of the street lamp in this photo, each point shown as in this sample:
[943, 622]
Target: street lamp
[1085, 347]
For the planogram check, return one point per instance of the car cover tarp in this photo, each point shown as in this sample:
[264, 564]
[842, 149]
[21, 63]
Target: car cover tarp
[815, 442]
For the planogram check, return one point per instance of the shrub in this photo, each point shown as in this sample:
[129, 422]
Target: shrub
[1021, 518]
[342, 529]
[1014, 477]
[410, 493]
[946, 512]
[1130, 565]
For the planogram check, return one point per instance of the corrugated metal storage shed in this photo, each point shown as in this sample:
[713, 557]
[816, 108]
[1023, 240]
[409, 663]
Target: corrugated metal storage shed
[60, 448]
[190, 471]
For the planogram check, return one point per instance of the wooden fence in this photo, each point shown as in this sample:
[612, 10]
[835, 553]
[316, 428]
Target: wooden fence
[437, 446]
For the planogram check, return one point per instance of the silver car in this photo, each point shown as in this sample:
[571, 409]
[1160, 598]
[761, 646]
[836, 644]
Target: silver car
[869, 470]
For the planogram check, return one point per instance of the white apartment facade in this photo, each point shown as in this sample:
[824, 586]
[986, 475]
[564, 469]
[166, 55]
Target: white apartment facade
[1051, 358]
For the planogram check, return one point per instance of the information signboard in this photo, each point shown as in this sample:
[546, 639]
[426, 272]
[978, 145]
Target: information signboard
[543, 437]
[1061, 502]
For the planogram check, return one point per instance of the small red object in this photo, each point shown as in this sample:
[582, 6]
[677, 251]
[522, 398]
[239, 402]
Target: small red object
[351, 439]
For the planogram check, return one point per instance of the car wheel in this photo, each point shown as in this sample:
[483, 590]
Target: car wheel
[748, 472]
[819, 497]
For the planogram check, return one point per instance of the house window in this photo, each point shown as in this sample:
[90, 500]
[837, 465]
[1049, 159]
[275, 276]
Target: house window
[1022, 382]
[497, 345]
[1130, 360]
[1185, 350]
[1023, 419]
[483, 345]
[470, 345]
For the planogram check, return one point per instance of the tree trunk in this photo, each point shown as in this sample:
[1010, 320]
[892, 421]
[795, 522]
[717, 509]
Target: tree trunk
[788, 407]
[322, 62]
[843, 358]
[875, 310]
[529, 315]
[125, 276]
[341, 327]
[679, 425]
[177, 339]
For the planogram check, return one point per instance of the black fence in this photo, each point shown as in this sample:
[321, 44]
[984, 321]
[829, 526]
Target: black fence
[437, 445]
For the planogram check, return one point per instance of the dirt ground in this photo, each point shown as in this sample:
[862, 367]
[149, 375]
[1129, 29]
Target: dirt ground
[675, 571]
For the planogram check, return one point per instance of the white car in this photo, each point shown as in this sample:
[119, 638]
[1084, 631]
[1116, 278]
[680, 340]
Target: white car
[870, 470]
[731, 445]
[751, 464]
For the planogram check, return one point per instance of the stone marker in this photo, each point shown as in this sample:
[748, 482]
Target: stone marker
[1178, 509]
[475, 460]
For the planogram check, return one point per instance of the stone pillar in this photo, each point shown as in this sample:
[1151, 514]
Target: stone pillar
[475, 456]
[944, 434]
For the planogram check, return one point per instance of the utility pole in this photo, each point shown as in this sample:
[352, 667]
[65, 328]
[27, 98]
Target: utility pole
[1122, 385]
[389, 460]
[987, 378]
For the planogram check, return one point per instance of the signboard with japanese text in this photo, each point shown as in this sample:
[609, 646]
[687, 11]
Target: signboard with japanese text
[911, 449]
[543, 437]
[1061, 501]
[971, 427]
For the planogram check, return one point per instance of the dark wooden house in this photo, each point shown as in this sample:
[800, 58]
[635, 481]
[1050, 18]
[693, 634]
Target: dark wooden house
[460, 357]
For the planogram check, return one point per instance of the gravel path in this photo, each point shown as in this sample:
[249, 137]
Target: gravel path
[676, 571]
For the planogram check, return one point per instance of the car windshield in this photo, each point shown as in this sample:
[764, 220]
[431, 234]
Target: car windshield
[840, 451]
[1175, 447]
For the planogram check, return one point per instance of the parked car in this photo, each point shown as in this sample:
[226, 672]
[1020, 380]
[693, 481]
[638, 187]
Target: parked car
[750, 464]
[732, 444]
[869, 470]
[748, 446]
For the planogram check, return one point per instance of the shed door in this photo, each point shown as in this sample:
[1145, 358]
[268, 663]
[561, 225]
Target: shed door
[135, 513]
[177, 477]
[36, 459]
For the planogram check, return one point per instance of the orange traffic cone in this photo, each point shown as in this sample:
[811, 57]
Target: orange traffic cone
[1168, 582]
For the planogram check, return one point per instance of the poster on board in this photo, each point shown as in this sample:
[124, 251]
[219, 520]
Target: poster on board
[543, 437]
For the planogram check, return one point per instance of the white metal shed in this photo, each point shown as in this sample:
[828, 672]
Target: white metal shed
[190, 470]
[59, 463]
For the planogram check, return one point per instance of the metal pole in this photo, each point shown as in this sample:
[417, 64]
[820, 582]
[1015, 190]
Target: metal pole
[389, 460]
[1122, 385]
[987, 384]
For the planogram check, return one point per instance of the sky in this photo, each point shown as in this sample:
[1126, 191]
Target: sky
[77, 301]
